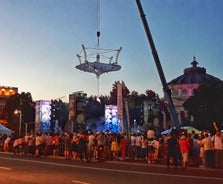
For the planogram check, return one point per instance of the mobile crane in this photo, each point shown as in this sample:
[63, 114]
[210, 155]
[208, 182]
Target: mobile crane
[166, 90]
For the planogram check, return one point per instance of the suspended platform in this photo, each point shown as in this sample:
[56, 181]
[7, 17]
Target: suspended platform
[91, 62]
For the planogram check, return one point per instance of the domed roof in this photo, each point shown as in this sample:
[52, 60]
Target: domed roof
[194, 75]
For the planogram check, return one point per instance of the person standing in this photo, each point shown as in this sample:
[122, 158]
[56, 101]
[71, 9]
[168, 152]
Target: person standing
[91, 145]
[217, 140]
[202, 160]
[31, 145]
[123, 146]
[48, 146]
[82, 147]
[133, 146]
[38, 143]
[172, 149]
[115, 147]
[156, 145]
[184, 149]
[55, 144]
[208, 147]
[67, 146]
[138, 142]
[100, 140]
[74, 147]
[144, 147]
[196, 151]
[6, 143]
[17, 142]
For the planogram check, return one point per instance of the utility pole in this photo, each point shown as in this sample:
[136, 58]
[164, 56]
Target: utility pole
[166, 90]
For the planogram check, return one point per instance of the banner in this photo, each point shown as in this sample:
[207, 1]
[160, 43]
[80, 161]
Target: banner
[120, 105]
[43, 119]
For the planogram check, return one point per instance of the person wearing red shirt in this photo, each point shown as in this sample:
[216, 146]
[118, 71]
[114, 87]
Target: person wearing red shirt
[123, 146]
[184, 149]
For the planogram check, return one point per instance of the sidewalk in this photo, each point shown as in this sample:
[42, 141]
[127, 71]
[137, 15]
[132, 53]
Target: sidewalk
[127, 161]
[118, 161]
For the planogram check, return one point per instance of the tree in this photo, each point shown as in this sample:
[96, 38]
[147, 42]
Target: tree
[143, 109]
[113, 93]
[206, 106]
[59, 113]
[135, 104]
[24, 104]
[27, 107]
[150, 94]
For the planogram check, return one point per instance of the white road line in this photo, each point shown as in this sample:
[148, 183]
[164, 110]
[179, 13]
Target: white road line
[114, 170]
[6, 168]
[80, 182]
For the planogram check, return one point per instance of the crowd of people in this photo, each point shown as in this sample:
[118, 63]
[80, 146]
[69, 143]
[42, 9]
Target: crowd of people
[204, 150]
[178, 149]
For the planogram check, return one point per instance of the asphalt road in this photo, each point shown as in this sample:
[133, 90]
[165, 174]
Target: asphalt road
[26, 170]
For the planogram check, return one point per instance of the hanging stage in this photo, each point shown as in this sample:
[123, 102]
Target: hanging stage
[98, 60]
[91, 61]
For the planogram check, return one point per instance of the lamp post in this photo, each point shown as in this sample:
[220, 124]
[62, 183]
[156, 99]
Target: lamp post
[20, 120]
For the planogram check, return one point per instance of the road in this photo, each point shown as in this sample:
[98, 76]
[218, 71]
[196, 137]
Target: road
[26, 170]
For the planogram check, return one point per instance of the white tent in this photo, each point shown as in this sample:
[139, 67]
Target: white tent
[189, 129]
[4, 130]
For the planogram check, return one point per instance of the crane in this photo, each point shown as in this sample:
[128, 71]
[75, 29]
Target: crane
[166, 90]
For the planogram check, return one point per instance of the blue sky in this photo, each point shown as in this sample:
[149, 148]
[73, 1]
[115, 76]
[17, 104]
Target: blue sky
[39, 40]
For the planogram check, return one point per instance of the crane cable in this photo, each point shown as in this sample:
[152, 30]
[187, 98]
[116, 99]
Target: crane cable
[98, 20]
[98, 36]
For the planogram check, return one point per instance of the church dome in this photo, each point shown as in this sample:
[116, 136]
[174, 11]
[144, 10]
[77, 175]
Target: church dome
[194, 75]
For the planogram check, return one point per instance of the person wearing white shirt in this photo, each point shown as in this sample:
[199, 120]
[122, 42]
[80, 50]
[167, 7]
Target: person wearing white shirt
[138, 146]
[133, 146]
[208, 150]
[217, 140]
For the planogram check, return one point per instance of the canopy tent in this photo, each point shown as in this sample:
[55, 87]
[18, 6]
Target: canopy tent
[189, 129]
[4, 130]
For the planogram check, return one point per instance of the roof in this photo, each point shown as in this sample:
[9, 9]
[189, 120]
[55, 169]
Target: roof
[194, 75]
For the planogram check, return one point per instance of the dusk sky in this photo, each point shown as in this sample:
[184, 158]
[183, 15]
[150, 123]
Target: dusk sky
[39, 40]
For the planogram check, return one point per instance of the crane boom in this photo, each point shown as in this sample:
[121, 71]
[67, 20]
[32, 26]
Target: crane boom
[166, 90]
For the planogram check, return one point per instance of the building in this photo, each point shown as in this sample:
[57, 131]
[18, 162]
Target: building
[5, 93]
[183, 86]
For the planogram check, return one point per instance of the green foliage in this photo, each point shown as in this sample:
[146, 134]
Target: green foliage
[113, 93]
[24, 104]
[59, 111]
[21, 102]
[206, 105]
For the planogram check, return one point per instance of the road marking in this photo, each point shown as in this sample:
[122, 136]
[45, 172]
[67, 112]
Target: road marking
[76, 181]
[6, 168]
[114, 170]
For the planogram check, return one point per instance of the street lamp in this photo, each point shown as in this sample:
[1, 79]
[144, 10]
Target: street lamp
[20, 120]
